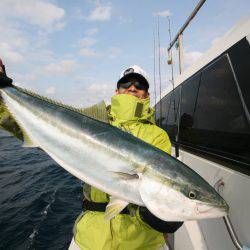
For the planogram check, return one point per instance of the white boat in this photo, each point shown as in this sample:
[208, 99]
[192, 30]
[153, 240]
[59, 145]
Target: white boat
[207, 116]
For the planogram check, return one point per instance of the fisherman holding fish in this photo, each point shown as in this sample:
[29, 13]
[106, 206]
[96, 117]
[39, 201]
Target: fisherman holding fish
[137, 191]
[135, 227]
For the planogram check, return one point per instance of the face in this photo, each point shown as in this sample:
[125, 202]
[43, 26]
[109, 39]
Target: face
[132, 90]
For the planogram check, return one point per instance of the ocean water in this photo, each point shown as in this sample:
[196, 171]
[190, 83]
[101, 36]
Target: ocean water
[39, 200]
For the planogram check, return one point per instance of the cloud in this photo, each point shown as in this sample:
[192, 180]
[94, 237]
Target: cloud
[96, 87]
[61, 67]
[99, 91]
[164, 13]
[215, 40]
[89, 53]
[34, 12]
[87, 41]
[125, 20]
[26, 25]
[51, 90]
[26, 30]
[101, 13]
[88, 91]
[59, 25]
[11, 33]
[191, 57]
[114, 52]
[25, 80]
[91, 32]
[9, 55]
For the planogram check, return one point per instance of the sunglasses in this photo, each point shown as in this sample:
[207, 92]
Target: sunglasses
[127, 85]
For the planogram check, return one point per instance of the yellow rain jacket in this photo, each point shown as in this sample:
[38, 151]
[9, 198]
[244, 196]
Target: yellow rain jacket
[124, 231]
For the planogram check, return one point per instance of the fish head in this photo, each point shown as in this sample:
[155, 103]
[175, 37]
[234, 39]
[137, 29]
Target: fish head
[202, 201]
[173, 200]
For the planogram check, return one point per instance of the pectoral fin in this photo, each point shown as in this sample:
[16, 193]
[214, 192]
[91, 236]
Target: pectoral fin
[126, 176]
[114, 207]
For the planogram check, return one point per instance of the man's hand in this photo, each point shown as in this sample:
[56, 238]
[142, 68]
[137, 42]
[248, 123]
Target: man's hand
[5, 81]
[2, 68]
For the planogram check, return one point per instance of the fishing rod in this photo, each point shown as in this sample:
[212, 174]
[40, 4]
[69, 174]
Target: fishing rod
[154, 74]
[170, 62]
[192, 15]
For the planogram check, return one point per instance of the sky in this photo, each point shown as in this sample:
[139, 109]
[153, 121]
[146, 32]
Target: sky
[74, 51]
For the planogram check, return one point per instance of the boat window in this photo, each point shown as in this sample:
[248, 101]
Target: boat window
[188, 99]
[162, 113]
[157, 113]
[240, 58]
[220, 124]
[170, 123]
[168, 119]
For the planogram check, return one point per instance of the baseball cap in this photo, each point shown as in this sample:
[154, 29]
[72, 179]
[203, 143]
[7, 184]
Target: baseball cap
[134, 72]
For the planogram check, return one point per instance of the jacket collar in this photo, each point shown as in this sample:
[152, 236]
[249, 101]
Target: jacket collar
[126, 108]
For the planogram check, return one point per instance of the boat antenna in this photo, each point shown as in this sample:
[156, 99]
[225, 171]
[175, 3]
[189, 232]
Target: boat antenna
[159, 67]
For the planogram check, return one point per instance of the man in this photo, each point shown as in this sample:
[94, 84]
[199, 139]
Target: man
[135, 227]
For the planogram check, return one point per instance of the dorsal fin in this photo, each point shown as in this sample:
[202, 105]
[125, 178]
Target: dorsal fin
[9, 123]
[97, 111]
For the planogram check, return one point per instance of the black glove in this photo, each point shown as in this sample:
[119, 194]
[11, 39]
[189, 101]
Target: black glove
[158, 224]
[5, 81]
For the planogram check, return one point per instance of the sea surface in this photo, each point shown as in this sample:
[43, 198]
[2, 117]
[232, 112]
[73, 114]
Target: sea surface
[39, 200]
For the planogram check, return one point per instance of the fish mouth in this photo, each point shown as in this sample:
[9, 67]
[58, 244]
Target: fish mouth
[206, 208]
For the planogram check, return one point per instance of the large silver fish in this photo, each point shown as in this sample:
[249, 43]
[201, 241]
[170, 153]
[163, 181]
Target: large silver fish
[114, 161]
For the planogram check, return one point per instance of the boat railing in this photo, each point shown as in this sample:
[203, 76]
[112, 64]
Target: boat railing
[219, 185]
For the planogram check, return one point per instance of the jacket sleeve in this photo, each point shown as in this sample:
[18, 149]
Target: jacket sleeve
[162, 140]
[158, 224]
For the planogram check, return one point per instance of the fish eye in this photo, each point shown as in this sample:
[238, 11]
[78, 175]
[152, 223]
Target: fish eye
[192, 195]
